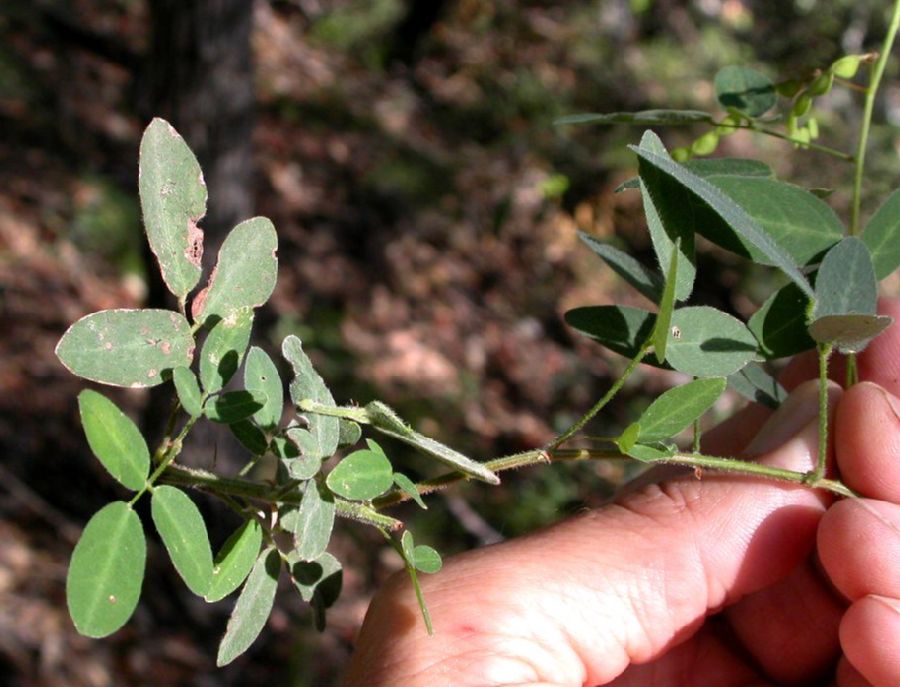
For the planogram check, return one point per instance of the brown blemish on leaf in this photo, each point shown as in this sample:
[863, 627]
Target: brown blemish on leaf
[108, 346]
[166, 347]
[194, 251]
[151, 374]
[199, 302]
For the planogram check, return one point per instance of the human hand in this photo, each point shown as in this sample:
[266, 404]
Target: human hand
[720, 581]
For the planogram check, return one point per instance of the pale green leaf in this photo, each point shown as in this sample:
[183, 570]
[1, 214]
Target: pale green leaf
[845, 282]
[350, 432]
[361, 476]
[235, 560]
[307, 384]
[705, 342]
[127, 347]
[188, 390]
[426, 559]
[780, 323]
[745, 90]
[850, 333]
[224, 349]
[173, 200]
[106, 571]
[183, 532]
[245, 274]
[252, 608]
[408, 487]
[676, 409]
[882, 236]
[755, 384]
[628, 437]
[642, 118]
[312, 522]
[647, 281]
[304, 462]
[115, 440]
[261, 375]
[233, 406]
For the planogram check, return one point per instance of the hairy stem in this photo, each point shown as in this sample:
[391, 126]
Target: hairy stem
[833, 152]
[824, 355]
[872, 89]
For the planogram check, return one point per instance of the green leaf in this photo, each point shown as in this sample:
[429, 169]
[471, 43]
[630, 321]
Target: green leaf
[780, 324]
[667, 220]
[188, 390]
[235, 560]
[650, 454]
[732, 214]
[324, 430]
[386, 421]
[882, 236]
[845, 282]
[127, 347]
[261, 375]
[183, 532]
[850, 333]
[251, 437]
[312, 522]
[799, 223]
[729, 166]
[350, 432]
[362, 475]
[618, 327]
[304, 462]
[705, 342]
[426, 559]
[677, 408]
[408, 487]
[660, 333]
[252, 608]
[233, 406]
[628, 438]
[245, 274]
[115, 440]
[224, 349]
[755, 384]
[319, 583]
[745, 90]
[106, 571]
[643, 118]
[646, 281]
[173, 200]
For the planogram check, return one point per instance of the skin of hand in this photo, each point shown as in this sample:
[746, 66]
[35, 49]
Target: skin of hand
[714, 582]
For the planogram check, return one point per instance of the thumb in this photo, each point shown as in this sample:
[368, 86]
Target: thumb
[579, 602]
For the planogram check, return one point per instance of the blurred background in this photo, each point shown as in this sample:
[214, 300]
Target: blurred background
[427, 211]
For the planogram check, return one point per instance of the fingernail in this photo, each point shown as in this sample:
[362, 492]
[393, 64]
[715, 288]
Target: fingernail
[890, 602]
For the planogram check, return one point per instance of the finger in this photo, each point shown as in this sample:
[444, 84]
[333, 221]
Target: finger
[870, 635]
[867, 441]
[578, 603]
[848, 676]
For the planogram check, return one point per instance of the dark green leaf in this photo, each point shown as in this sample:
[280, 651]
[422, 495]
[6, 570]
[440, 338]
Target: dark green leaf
[233, 406]
[755, 384]
[127, 347]
[183, 531]
[361, 476]
[251, 437]
[319, 583]
[780, 324]
[850, 333]
[643, 118]
[188, 391]
[224, 349]
[706, 342]
[245, 274]
[307, 384]
[729, 166]
[312, 522]
[408, 487]
[882, 236]
[115, 440]
[618, 327]
[845, 283]
[677, 408]
[106, 571]
[745, 90]
[628, 438]
[261, 375]
[727, 210]
[252, 608]
[173, 200]
[386, 421]
[660, 335]
[235, 560]
[667, 218]
[646, 281]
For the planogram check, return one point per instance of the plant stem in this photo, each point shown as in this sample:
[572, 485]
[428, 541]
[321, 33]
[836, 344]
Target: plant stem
[852, 371]
[613, 390]
[834, 152]
[824, 354]
[876, 74]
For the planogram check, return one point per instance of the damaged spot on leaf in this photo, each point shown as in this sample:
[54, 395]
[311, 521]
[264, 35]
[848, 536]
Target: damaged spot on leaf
[194, 252]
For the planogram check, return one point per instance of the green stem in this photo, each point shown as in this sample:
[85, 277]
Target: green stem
[840, 154]
[852, 371]
[871, 91]
[613, 390]
[824, 355]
